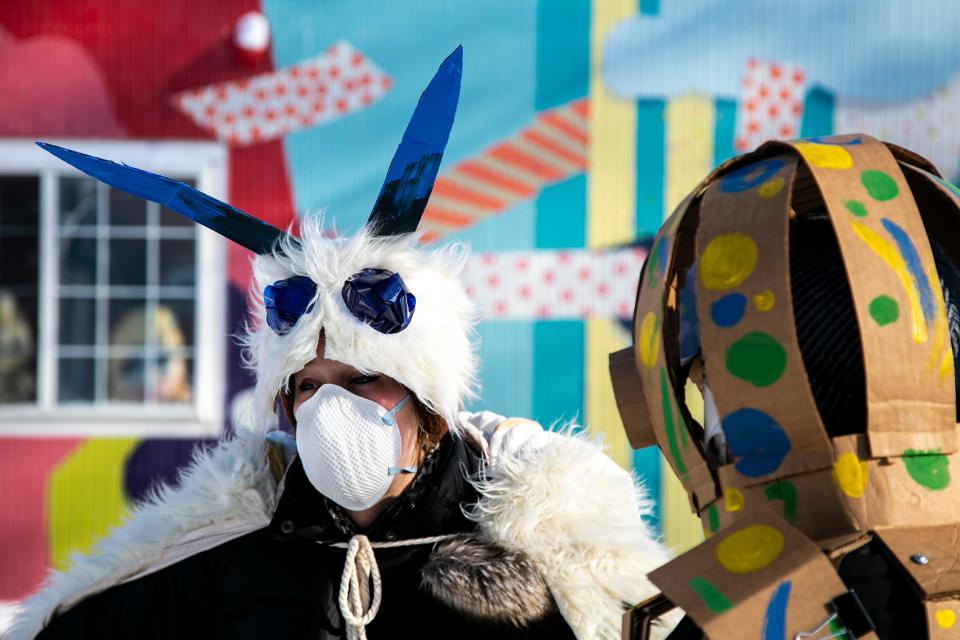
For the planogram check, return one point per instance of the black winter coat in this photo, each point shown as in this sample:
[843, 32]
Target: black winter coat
[278, 582]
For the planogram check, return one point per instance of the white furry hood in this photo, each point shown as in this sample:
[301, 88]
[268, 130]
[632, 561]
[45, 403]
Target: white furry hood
[433, 356]
[554, 497]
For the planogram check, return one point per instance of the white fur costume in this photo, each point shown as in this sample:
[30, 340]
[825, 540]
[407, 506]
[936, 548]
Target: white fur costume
[587, 539]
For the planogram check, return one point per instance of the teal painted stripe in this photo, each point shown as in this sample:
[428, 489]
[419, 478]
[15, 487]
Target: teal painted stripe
[562, 214]
[649, 7]
[651, 150]
[725, 130]
[563, 52]
[817, 113]
[558, 371]
[646, 464]
[506, 368]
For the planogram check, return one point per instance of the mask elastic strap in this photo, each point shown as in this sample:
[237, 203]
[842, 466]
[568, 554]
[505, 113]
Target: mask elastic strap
[388, 417]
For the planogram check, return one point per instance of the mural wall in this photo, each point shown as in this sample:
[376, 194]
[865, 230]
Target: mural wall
[582, 124]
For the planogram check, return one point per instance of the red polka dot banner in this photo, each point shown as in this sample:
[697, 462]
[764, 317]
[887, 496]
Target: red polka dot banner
[559, 285]
[771, 103]
[267, 106]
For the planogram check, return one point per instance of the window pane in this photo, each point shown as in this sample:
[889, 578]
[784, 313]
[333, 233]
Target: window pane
[125, 379]
[126, 209]
[128, 324]
[76, 380]
[177, 262]
[175, 323]
[78, 260]
[78, 321]
[19, 279]
[128, 262]
[78, 202]
[173, 378]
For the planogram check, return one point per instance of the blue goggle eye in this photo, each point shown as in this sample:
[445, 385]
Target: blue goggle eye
[379, 298]
[287, 300]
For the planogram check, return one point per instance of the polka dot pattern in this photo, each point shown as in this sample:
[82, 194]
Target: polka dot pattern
[268, 106]
[770, 104]
[565, 284]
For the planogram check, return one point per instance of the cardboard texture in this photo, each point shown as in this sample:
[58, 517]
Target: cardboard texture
[747, 327]
[943, 618]
[656, 301]
[760, 578]
[890, 267]
[630, 399]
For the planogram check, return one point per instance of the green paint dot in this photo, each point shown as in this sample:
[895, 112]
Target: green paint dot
[884, 310]
[785, 491]
[758, 358]
[712, 597]
[713, 518]
[879, 185]
[857, 208]
[669, 424]
[927, 468]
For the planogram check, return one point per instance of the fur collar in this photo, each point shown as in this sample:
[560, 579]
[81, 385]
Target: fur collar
[545, 537]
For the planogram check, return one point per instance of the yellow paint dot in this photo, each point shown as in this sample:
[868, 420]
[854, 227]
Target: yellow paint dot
[750, 549]
[850, 474]
[764, 300]
[770, 188]
[825, 156]
[733, 499]
[649, 343]
[727, 261]
[945, 618]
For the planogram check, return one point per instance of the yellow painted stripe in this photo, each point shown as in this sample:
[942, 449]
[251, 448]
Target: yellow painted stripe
[604, 337]
[85, 496]
[689, 122]
[612, 152]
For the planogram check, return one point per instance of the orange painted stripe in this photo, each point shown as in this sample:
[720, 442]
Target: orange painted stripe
[446, 187]
[581, 108]
[558, 122]
[535, 137]
[508, 153]
[480, 171]
[429, 236]
[445, 217]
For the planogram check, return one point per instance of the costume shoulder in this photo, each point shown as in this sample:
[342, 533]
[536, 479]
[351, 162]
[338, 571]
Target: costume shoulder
[226, 492]
[558, 498]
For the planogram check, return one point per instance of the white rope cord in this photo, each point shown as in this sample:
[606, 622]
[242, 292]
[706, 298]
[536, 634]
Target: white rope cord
[357, 606]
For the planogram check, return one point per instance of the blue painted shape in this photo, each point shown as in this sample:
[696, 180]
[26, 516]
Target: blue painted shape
[651, 150]
[415, 165]
[647, 466]
[852, 142]
[724, 130]
[649, 7]
[750, 176]
[775, 618]
[817, 118]
[728, 310]
[338, 166]
[563, 52]
[757, 442]
[914, 266]
[218, 216]
[558, 370]
[562, 214]
[506, 367]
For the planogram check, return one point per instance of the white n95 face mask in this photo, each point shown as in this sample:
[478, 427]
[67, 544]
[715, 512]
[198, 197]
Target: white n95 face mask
[349, 446]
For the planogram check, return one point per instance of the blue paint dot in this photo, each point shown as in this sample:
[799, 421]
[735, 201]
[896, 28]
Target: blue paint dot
[832, 140]
[728, 310]
[750, 176]
[756, 441]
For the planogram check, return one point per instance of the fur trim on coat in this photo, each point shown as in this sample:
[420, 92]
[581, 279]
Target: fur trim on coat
[558, 539]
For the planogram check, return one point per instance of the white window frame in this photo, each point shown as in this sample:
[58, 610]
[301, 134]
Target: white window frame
[203, 418]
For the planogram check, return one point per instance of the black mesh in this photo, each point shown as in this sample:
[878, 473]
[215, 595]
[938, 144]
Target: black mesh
[826, 324]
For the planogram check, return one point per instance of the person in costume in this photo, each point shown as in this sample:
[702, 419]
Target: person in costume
[810, 291]
[390, 512]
